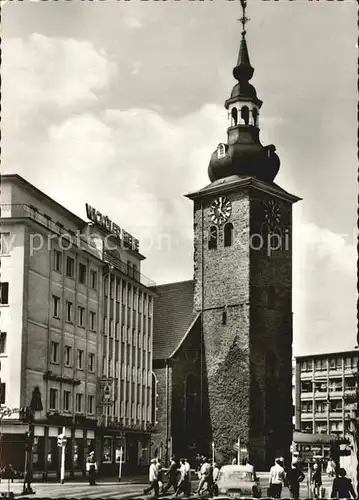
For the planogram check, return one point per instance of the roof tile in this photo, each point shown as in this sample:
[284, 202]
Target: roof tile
[173, 314]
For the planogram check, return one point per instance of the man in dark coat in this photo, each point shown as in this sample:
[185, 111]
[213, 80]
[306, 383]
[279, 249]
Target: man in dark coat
[294, 477]
[342, 486]
[172, 476]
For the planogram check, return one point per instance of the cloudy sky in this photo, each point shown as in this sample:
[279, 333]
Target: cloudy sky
[120, 104]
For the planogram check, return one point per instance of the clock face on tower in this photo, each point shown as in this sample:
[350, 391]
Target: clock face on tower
[221, 210]
[272, 213]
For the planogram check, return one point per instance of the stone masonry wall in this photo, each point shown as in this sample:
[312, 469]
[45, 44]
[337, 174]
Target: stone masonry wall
[271, 337]
[160, 434]
[248, 359]
[226, 346]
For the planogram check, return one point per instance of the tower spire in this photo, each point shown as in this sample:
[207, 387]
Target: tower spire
[243, 155]
[243, 71]
[244, 19]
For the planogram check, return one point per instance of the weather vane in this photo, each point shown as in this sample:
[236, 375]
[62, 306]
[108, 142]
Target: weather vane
[244, 19]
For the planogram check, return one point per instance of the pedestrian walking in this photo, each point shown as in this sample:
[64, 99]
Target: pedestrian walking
[153, 479]
[295, 477]
[181, 487]
[330, 468]
[316, 479]
[187, 477]
[209, 480]
[234, 461]
[172, 476]
[198, 462]
[342, 486]
[277, 478]
[203, 475]
[160, 475]
[91, 468]
[215, 478]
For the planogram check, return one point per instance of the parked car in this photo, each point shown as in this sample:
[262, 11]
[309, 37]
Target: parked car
[235, 481]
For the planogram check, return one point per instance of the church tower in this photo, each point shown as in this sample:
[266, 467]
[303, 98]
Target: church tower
[243, 284]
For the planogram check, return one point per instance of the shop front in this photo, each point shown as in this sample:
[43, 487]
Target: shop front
[46, 456]
[132, 447]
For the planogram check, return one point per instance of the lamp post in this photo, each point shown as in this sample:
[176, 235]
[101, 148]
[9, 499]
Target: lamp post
[29, 441]
[30, 415]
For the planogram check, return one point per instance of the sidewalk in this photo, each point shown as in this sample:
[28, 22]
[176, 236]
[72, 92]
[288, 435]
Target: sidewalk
[140, 479]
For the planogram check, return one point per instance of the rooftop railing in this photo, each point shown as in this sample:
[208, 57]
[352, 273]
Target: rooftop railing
[77, 239]
[127, 270]
[28, 211]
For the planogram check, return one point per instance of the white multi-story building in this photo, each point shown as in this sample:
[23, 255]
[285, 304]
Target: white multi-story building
[325, 393]
[76, 334]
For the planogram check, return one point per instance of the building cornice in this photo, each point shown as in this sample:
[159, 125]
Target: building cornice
[235, 183]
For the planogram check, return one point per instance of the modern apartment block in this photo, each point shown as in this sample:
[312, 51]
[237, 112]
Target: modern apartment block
[325, 386]
[76, 334]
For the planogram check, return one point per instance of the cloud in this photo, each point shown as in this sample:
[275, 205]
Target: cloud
[135, 164]
[324, 284]
[133, 23]
[44, 74]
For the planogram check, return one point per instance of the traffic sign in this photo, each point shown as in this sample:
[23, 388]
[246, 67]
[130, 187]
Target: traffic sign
[106, 393]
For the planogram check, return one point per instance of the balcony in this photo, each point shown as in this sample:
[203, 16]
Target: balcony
[336, 415]
[22, 211]
[306, 415]
[306, 395]
[109, 258]
[320, 414]
[349, 391]
[306, 375]
[335, 392]
[321, 395]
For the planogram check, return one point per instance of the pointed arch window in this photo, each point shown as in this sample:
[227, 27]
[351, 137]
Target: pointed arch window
[213, 238]
[245, 114]
[228, 234]
[234, 115]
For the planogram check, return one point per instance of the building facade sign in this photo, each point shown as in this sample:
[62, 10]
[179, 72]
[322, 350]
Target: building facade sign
[104, 222]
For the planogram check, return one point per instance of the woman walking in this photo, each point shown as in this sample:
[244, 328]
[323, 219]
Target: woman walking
[91, 468]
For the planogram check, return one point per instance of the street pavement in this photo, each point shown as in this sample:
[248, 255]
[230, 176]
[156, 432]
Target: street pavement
[126, 489]
[78, 490]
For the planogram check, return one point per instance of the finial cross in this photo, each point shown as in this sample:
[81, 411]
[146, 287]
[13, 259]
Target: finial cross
[244, 19]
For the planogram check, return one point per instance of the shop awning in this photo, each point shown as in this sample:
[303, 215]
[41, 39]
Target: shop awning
[306, 438]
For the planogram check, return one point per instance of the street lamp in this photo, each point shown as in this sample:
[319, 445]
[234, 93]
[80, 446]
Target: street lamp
[31, 415]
